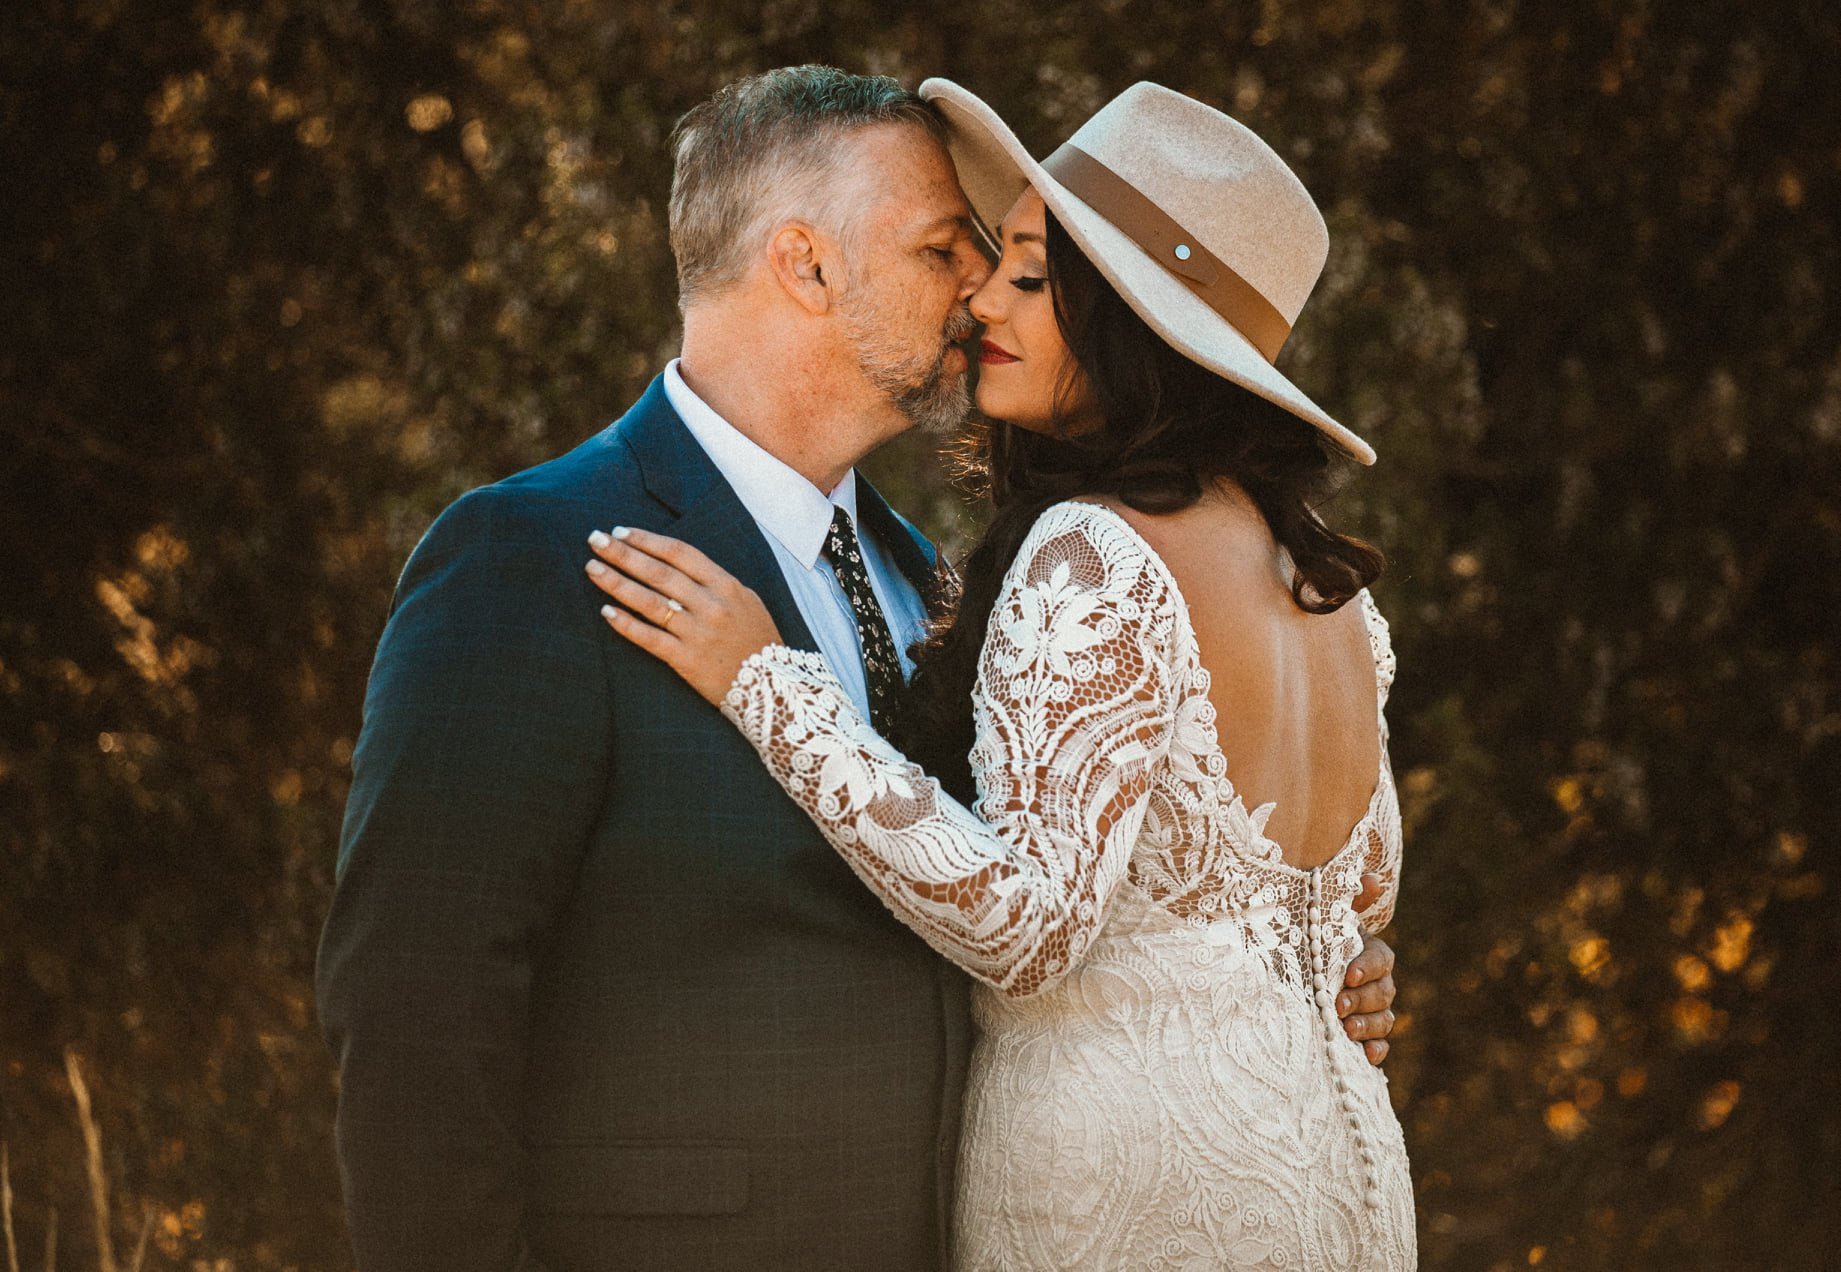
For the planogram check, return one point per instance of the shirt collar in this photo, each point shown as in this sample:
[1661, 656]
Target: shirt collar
[782, 502]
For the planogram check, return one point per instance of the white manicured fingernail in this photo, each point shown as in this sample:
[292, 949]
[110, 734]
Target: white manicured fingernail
[598, 540]
[621, 532]
[597, 569]
[608, 611]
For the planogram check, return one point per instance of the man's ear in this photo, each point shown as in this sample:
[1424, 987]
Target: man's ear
[803, 259]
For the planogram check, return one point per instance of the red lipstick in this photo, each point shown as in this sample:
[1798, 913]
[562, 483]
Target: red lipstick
[993, 355]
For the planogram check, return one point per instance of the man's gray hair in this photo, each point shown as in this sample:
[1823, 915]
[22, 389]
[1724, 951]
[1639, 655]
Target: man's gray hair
[765, 150]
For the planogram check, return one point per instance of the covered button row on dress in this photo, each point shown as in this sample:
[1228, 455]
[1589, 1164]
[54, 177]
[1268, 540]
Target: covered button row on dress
[1340, 1057]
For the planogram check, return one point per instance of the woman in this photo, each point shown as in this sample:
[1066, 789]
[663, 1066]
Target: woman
[1161, 1078]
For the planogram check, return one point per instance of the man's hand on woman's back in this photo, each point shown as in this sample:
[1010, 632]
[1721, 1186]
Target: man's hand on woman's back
[1366, 1001]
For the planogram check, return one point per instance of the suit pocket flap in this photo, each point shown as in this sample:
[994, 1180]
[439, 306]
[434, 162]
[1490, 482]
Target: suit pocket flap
[641, 1177]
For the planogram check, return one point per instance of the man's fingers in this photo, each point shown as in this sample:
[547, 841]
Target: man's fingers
[1366, 1004]
[1366, 999]
[1379, 1024]
[676, 553]
[1374, 962]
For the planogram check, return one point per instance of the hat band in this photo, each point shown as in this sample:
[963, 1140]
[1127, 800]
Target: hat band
[1133, 213]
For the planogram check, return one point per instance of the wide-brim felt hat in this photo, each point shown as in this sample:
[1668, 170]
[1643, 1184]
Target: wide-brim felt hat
[1198, 224]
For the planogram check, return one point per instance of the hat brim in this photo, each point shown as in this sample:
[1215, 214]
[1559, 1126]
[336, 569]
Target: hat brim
[994, 169]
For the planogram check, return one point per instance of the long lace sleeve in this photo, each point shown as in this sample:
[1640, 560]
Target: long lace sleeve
[1382, 855]
[1072, 711]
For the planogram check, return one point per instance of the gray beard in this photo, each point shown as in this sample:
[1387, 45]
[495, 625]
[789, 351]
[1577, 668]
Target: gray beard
[930, 397]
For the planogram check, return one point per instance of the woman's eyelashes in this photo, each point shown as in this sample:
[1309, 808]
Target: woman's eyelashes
[1029, 283]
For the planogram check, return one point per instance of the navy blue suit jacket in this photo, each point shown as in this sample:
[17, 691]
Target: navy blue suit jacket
[600, 995]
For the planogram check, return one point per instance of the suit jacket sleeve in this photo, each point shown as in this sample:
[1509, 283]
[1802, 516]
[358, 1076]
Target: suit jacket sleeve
[476, 782]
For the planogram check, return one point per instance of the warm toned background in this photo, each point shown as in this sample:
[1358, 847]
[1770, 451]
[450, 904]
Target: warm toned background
[279, 279]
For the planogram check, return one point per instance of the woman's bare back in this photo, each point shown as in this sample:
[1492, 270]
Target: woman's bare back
[1293, 692]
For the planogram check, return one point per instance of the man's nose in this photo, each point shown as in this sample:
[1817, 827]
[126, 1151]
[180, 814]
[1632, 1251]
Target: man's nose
[977, 272]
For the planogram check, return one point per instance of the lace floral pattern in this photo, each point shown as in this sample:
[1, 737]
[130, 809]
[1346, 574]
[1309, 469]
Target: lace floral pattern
[1161, 1079]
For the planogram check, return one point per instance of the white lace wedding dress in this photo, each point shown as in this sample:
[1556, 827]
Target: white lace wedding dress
[1161, 1079]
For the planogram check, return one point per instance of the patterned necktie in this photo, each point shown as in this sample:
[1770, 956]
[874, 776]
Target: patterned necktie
[881, 665]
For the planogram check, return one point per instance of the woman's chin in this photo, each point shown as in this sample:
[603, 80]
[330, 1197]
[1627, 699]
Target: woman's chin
[995, 406]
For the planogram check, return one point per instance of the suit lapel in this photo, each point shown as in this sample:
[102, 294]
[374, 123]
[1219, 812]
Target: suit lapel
[707, 513]
[727, 534]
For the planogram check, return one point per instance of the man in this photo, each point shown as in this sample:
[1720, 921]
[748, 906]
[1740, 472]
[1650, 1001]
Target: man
[601, 997]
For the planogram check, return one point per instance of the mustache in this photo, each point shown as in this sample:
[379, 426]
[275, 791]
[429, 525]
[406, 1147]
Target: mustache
[961, 325]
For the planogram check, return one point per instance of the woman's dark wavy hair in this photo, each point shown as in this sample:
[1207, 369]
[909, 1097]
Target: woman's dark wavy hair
[1171, 430]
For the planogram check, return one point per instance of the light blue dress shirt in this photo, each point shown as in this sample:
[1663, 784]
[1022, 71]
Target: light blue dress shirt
[794, 517]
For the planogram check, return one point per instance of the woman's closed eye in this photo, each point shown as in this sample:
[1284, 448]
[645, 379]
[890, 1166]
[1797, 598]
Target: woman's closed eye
[1029, 283]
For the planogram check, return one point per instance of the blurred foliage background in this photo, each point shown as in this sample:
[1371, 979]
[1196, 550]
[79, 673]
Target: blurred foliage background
[283, 278]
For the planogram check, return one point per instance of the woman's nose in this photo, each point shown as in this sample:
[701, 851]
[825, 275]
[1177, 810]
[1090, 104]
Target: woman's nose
[984, 302]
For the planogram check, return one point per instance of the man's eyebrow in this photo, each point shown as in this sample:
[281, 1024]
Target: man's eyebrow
[963, 223]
